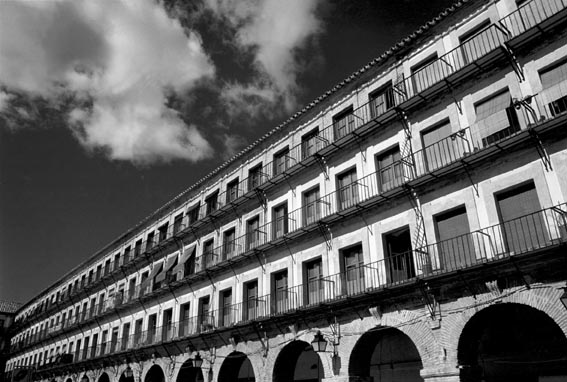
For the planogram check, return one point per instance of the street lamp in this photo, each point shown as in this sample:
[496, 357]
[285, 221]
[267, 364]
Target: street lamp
[128, 373]
[198, 361]
[319, 343]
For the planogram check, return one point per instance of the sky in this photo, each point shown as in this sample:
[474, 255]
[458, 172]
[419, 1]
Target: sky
[110, 108]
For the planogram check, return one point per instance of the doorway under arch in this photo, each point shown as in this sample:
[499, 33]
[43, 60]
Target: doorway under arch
[298, 362]
[511, 342]
[155, 374]
[104, 378]
[385, 354]
[236, 368]
[189, 373]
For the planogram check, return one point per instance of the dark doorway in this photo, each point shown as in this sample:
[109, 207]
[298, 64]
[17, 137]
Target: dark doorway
[236, 368]
[155, 374]
[399, 256]
[385, 354]
[189, 373]
[511, 342]
[298, 362]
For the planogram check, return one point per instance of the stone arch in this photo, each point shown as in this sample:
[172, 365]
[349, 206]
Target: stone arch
[511, 341]
[236, 367]
[122, 373]
[297, 360]
[103, 377]
[385, 353]
[154, 374]
[189, 373]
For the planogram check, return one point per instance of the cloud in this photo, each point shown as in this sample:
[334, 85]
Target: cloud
[4, 100]
[273, 30]
[119, 60]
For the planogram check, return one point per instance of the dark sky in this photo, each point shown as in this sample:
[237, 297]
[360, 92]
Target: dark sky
[59, 203]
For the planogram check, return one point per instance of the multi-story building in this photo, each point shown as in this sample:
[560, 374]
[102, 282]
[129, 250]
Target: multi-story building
[7, 312]
[408, 225]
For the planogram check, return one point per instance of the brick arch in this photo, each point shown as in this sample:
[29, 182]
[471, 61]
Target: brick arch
[545, 300]
[252, 349]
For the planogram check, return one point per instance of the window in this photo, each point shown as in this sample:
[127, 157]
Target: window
[193, 213]
[311, 207]
[226, 307]
[85, 349]
[522, 220]
[475, 43]
[309, 144]
[426, 73]
[184, 320]
[343, 123]
[138, 332]
[162, 232]
[232, 191]
[253, 233]
[279, 292]
[103, 342]
[167, 325]
[150, 241]
[313, 274]
[390, 170]
[205, 319]
[251, 301]
[77, 351]
[152, 325]
[95, 346]
[138, 248]
[554, 82]
[131, 289]
[280, 220]
[229, 244]
[347, 189]
[381, 101]
[125, 336]
[107, 267]
[208, 253]
[441, 147]
[98, 276]
[455, 246]
[399, 257]
[255, 177]
[281, 161]
[117, 263]
[211, 202]
[113, 340]
[496, 118]
[178, 223]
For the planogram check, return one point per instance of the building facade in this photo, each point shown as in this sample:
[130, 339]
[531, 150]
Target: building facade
[7, 313]
[412, 221]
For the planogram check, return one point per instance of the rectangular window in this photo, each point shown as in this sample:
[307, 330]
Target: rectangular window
[94, 346]
[281, 161]
[313, 275]
[138, 248]
[98, 276]
[253, 233]
[347, 189]
[208, 253]
[103, 342]
[426, 73]
[205, 319]
[167, 325]
[117, 262]
[193, 213]
[255, 177]
[455, 246]
[138, 332]
[77, 352]
[251, 301]
[381, 101]
[280, 220]
[280, 292]
[226, 307]
[232, 191]
[311, 206]
[150, 240]
[229, 244]
[390, 170]
[185, 327]
[476, 43]
[309, 143]
[496, 118]
[151, 333]
[131, 289]
[85, 349]
[554, 82]
[178, 223]
[211, 202]
[352, 262]
[399, 256]
[125, 336]
[523, 223]
[441, 147]
[343, 123]
[162, 232]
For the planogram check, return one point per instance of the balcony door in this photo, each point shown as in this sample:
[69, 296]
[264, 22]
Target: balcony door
[347, 189]
[455, 244]
[280, 292]
[554, 94]
[313, 284]
[399, 258]
[390, 170]
[352, 266]
[251, 300]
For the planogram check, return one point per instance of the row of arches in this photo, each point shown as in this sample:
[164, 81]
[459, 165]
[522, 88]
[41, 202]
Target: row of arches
[503, 342]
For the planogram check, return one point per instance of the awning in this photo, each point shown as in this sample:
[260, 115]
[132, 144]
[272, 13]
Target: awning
[186, 255]
[168, 265]
[155, 270]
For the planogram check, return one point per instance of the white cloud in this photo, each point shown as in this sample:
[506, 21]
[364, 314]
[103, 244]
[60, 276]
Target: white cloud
[4, 100]
[274, 30]
[121, 57]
